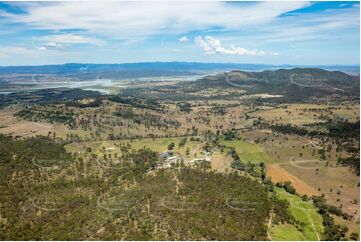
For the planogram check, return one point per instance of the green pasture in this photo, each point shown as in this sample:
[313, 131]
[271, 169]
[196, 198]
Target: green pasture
[306, 213]
[247, 151]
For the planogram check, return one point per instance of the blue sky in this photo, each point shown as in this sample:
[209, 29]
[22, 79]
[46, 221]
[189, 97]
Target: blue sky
[307, 33]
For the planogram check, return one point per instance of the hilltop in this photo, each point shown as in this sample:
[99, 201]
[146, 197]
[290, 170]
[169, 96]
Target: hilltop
[283, 81]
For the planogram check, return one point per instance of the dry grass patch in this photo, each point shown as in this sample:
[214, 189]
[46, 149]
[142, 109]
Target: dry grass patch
[220, 162]
[278, 174]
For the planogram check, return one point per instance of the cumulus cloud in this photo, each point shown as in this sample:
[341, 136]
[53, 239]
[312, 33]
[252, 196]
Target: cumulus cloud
[183, 39]
[117, 23]
[212, 46]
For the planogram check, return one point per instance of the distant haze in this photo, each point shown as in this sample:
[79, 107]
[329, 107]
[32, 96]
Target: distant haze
[144, 69]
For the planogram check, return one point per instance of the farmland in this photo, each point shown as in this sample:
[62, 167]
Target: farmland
[306, 214]
[283, 162]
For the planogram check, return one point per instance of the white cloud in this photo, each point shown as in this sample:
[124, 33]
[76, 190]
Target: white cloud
[310, 26]
[124, 20]
[183, 39]
[38, 55]
[133, 21]
[212, 46]
[58, 39]
[42, 48]
[63, 40]
[254, 24]
[22, 51]
[53, 44]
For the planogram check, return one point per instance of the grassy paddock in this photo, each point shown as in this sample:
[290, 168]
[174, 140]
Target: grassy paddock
[158, 145]
[305, 213]
[248, 151]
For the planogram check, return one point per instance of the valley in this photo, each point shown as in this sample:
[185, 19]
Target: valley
[267, 155]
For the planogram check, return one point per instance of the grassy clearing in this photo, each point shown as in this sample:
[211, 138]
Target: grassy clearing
[158, 145]
[305, 213]
[282, 147]
[17, 127]
[220, 162]
[248, 151]
[301, 114]
[286, 232]
[331, 180]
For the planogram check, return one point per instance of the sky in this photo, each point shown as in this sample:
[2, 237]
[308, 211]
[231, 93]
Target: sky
[297, 32]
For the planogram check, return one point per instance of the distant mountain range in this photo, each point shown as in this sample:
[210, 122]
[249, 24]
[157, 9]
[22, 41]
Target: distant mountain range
[83, 71]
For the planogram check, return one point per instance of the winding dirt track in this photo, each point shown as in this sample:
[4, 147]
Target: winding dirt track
[305, 210]
[291, 79]
[231, 83]
[295, 164]
[34, 204]
[299, 84]
[313, 226]
[269, 226]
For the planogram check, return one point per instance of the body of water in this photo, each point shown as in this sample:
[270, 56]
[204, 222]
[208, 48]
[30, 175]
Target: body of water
[105, 86]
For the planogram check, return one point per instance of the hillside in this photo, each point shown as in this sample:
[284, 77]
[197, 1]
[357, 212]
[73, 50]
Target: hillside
[294, 84]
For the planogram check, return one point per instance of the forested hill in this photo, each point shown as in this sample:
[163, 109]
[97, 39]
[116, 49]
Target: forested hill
[299, 83]
[315, 75]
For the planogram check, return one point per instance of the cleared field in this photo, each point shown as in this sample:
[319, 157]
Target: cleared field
[278, 174]
[220, 162]
[286, 232]
[291, 114]
[26, 129]
[282, 147]
[11, 125]
[62, 131]
[248, 151]
[338, 184]
[159, 145]
[350, 112]
[302, 114]
[304, 212]
[308, 174]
